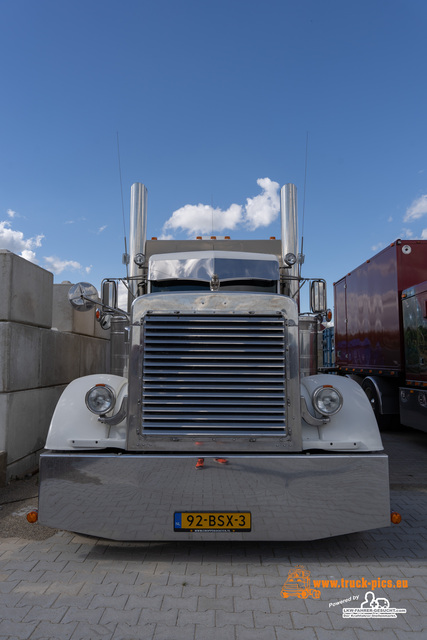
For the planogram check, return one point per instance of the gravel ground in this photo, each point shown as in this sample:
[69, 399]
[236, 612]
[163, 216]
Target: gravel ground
[16, 500]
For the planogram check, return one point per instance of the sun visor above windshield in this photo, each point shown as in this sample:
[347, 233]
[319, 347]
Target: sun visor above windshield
[202, 265]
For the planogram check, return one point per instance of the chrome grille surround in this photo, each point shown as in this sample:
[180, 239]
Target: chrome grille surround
[270, 424]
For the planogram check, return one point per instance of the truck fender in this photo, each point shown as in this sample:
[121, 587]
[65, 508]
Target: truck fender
[73, 426]
[354, 427]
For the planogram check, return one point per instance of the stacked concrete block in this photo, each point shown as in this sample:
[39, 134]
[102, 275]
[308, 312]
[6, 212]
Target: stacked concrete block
[25, 291]
[44, 345]
[26, 415]
[65, 318]
[3, 467]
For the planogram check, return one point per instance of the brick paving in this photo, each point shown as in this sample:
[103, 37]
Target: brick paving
[61, 585]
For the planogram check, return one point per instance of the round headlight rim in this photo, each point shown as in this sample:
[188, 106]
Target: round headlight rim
[315, 397]
[112, 395]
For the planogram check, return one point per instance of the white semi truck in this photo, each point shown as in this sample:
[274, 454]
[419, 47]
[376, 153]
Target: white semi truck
[213, 423]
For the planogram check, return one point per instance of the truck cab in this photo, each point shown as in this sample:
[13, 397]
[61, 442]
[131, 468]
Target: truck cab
[213, 428]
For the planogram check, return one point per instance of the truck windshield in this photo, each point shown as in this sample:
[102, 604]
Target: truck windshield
[260, 286]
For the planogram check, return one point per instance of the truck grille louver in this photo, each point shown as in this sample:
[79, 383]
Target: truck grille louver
[214, 373]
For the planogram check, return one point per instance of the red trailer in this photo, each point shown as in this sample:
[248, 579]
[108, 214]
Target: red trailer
[370, 333]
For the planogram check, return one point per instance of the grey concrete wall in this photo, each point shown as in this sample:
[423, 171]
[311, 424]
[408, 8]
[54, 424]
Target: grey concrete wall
[25, 291]
[44, 345]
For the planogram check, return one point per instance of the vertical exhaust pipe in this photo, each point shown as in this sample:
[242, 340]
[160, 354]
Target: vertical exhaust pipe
[289, 218]
[138, 233]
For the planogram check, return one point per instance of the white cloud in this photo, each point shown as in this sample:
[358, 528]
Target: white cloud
[424, 234]
[11, 213]
[263, 209]
[390, 219]
[407, 233]
[29, 255]
[101, 229]
[16, 242]
[81, 219]
[57, 266]
[417, 210]
[377, 247]
[203, 219]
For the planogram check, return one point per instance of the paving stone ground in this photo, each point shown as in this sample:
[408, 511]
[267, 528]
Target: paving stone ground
[55, 584]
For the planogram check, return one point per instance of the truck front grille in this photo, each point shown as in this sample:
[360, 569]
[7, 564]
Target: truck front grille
[214, 373]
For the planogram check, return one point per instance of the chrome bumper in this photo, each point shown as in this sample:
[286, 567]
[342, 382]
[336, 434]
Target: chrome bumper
[291, 497]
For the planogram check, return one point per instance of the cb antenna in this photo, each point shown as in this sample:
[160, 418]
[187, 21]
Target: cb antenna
[123, 208]
[303, 205]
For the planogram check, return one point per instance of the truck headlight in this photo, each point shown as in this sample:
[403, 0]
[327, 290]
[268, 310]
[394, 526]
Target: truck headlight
[100, 399]
[327, 400]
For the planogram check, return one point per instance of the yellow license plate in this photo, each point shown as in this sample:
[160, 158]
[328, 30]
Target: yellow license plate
[213, 520]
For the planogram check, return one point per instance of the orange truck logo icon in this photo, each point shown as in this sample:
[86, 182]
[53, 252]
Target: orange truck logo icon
[298, 584]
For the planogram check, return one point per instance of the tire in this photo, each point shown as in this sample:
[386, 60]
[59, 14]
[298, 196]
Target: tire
[384, 421]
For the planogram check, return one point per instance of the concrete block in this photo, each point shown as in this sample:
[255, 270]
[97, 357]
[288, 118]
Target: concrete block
[23, 466]
[24, 420]
[65, 318]
[3, 421]
[60, 357]
[3, 458]
[25, 291]
[32, 357]
[20, 355]
[93, 356]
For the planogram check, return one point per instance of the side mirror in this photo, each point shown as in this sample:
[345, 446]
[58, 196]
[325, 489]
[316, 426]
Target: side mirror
[83, 296]
[109, 294]
[318, 296]
[104, 319]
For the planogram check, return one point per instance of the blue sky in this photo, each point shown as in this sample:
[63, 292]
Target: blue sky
[212, 102]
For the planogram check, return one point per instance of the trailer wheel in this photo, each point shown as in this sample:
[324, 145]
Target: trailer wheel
[372, 394]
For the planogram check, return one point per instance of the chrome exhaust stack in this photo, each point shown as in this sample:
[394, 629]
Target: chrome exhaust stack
[137, 234]
[289, 218]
